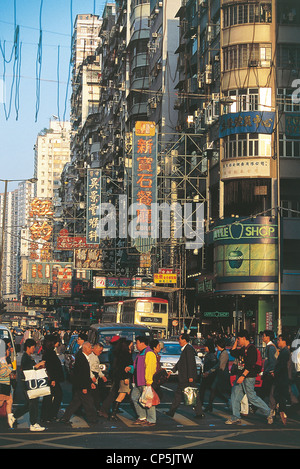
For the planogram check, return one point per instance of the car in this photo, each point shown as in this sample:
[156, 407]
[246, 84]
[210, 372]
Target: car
[103, 333]
[170, 354]
[69, 355]
[199, 346]
[258, 380]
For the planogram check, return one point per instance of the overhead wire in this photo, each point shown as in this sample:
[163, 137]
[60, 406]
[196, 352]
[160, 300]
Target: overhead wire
[38, 66]
[70, 61]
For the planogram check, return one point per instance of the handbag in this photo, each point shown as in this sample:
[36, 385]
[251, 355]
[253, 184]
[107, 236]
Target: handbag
[190, 395]
[160, 377]
[37, 383]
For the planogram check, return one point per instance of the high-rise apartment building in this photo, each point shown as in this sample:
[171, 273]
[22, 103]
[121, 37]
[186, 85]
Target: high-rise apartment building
[85, 39]
[237, 81]
[11, 245]
[52, 152]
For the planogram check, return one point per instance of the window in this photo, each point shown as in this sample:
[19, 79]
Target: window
[291, 208]
[289, 148]
[247, 55]
[243, 145]
[288, 12]
[285, 100]
[288, 56]
[244, 100]
[244, 13]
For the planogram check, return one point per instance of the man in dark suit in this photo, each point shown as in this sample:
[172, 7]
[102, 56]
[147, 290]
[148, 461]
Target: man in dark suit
[83, 385]
[187, 375]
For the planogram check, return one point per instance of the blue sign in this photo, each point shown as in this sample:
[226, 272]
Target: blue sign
[292, 125]
[259, 122]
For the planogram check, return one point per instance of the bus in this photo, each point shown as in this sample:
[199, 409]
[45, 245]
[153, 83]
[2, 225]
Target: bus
[150, 312]
[79, 319]
[6, 334]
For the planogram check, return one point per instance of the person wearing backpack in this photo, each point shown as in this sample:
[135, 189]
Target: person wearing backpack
[249, 365]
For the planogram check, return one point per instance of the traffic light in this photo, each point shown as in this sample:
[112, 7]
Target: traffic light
[2, 308]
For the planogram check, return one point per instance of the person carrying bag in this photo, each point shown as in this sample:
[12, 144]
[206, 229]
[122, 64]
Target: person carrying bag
[31, 383]
[187, 376]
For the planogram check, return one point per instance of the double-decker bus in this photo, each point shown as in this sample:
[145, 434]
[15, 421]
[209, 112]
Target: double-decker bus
[150, 312]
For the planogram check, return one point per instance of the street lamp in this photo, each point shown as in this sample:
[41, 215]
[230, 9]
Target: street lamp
[6, 181]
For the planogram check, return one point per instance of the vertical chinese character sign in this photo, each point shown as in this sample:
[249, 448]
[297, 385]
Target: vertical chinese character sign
[93, 206]
[41, 229]
[144, 179]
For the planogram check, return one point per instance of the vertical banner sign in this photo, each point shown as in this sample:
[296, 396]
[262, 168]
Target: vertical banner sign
[93, 206]
[144, 180]
[41, 229]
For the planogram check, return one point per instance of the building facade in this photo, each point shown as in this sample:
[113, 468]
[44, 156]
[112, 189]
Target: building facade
[243, 58]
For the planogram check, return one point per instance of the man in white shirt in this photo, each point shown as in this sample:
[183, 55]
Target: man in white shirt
[97, 375]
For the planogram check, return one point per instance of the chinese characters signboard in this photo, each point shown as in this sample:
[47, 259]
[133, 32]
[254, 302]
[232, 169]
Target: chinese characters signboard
[165, 278]
[247, 122]
[65, 242]
[88, 259]
[292, 125]
[40, 214]
[246, 167]
[93, 206]
[62, 279]
[144, 178]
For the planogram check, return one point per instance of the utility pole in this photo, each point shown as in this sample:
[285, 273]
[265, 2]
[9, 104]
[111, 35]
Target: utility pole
[2, 238]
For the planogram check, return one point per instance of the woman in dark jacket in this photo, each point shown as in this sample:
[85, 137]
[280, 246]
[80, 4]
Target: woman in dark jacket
[281, 377]
[210, 360]
[123, 358]
[51, 404]
[221, 383]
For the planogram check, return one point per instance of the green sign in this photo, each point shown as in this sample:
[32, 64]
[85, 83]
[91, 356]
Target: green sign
[258, 230]
[216, 314]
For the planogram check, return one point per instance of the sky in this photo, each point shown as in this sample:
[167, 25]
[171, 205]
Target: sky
[26, 103]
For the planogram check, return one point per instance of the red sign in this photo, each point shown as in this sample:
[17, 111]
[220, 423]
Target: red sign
[67, 243]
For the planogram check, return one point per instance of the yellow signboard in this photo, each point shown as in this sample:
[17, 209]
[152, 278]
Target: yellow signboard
[145, 129]
[165, 278]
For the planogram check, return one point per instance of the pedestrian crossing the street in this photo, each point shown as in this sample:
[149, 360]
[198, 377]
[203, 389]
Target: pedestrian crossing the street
[180, 418]
[126, 417]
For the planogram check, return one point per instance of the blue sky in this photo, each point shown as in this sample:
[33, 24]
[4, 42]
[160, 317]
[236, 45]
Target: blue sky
[18, 136]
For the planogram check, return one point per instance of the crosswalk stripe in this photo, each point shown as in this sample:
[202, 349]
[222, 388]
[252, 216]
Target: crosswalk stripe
[181, 419]
[126, 418]
[219, 413]
[78, 422]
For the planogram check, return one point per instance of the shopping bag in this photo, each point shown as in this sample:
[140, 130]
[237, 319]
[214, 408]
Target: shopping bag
[37, 383]
[146, 397]
[155, 399]
[245, 405]
[190, 395]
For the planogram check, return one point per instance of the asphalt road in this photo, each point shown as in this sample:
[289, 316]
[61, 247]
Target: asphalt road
[168, 442]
